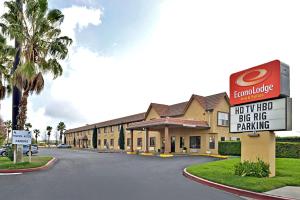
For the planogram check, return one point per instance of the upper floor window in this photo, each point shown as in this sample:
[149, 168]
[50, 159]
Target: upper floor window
[223, 119]
[112, 129]
[99, 130]
[152, 141]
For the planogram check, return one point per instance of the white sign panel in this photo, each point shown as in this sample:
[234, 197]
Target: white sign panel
[261, 116]
[21, 137]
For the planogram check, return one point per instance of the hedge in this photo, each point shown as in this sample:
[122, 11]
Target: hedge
[230, 148]
[287, 139]
[283, 149]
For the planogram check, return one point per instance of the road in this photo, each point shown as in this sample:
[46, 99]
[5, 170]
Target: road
[109, 176]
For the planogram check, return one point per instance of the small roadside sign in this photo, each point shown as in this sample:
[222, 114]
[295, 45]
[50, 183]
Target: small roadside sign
[21, 137]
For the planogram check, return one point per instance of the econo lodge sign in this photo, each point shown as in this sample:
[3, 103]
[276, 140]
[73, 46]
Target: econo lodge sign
[266, 81]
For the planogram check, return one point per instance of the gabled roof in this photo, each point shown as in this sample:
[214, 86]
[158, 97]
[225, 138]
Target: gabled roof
[122, 120]
[208, 103]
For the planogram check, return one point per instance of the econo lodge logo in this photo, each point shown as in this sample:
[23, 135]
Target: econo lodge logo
[257, 83]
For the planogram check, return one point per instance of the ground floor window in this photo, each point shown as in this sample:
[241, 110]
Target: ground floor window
[222, 139]
[111, 142]
[139, 142]
[195, 142]
[181, 142]
[105, 142]
[152, 141]
[212, 142]
[99, 142]
[128, 142]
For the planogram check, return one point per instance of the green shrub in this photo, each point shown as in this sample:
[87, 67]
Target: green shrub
[230, 148]
[256, 169]
[10, 153]
[288, 139]
[287, 150]
[283, 149]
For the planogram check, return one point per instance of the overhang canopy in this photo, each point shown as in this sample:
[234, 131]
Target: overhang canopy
[170, 122]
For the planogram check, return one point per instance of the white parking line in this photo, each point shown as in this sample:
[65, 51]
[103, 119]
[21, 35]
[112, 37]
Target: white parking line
[7, 174]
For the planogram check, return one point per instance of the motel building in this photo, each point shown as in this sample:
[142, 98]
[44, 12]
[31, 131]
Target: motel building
[194, 126]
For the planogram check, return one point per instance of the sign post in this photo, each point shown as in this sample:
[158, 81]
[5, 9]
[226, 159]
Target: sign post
[260, 105]
[20, 138]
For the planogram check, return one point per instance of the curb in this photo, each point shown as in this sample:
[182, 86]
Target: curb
[49, 164]
[165, 155]
[239, 192]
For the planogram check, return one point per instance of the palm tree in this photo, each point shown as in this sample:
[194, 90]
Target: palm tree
[28, 126]
[8, 126]
[41, 45]
[61, 127]
[6, 59]
[49, 129]
[36, 134]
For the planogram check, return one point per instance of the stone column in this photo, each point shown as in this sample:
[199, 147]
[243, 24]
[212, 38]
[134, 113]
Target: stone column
[167, 140]
[261, 146]
[147, 140]
[131, 140]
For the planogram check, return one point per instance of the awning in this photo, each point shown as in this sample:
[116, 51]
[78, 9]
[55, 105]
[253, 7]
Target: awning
[170, 122]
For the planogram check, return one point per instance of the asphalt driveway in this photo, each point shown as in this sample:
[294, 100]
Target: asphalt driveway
[109, 176]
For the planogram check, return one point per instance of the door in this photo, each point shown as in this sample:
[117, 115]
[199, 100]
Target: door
[173, 141]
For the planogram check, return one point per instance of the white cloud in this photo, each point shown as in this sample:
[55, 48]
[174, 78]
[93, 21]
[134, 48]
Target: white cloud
[77, 18]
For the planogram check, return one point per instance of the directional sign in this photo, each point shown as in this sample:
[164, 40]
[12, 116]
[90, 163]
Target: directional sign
[21, 137]
[262, 116]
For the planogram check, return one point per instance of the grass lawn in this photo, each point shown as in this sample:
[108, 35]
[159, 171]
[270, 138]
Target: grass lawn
[37, 161]
[222, 171]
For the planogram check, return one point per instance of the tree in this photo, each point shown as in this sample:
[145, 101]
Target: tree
[41, 46]
[49, 129]
[8, 126]
[3, 131]
[95, 137]
[36, 134]
[61, 127]
[28, 126]
[6, 59]
[122, 138]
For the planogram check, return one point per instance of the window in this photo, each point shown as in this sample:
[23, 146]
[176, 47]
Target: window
[223, 119]
[212, 142]
[111, 129]
[222, 139]
[128, 142]
[195, 142]
[111, 142]
[181, 142]
[139, 142]
[152, 141]
[98, 130]
[119, 127]
[105, 142]
[105, 129]
[99, 142]
[238, 139]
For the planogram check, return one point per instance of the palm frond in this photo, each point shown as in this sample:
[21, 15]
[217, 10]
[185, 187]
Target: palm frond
[55, 16]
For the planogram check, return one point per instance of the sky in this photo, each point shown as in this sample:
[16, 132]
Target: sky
[127, 54]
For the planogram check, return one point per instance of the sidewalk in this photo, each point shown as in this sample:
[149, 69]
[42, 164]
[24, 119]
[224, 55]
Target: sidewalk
[287, 191]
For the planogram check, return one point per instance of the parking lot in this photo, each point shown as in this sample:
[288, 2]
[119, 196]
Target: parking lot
[90, 175]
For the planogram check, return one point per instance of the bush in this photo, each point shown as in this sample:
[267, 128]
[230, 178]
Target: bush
[230, 148]
[283, 149]
[287, 139]
[256, 169]
[287, 150]
[10, 153]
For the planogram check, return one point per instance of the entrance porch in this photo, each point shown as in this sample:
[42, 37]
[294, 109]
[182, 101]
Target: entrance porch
[175, 135]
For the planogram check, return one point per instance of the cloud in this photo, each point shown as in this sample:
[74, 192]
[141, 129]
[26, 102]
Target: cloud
[79, 17]
[63, 110]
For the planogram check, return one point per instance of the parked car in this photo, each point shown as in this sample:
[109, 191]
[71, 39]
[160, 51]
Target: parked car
[34, 149]
[3, 151]
[62, 146]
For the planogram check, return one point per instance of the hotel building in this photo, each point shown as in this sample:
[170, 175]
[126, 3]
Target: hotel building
[194, 126]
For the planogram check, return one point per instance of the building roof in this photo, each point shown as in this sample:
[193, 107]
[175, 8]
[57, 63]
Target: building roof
[171, 122]
[122, 120]
[208, 103]
[163, 110]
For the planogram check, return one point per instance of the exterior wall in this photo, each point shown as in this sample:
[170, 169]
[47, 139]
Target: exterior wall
[195, 112]
[152, 115]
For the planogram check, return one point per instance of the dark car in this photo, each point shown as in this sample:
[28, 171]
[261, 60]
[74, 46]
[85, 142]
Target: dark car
[63, 146]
